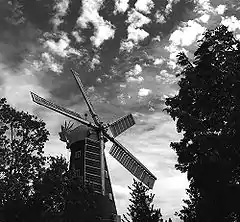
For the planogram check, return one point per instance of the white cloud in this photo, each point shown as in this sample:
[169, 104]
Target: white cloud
[126, 46]
[123, 85]
[186, 35]
[138, 69]
[166, 78]
[144, 92]
[77, 36]
[168, 8]
[49, 62]
[138, 79]
[95, 61]
[204, 18]
[160, 17]
[99, 80]
[61, 10]
[158, 61]
[132, 75]
[220, 9]
[103, 29]
[136, 35]
[135, 71]
[136, 19]
[60, 47]
[121, 5]
[144, 6]
[203, 6]
[232, 22]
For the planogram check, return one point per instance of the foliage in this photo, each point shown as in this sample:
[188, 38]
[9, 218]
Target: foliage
[141, 207]
[207, 112]
[33, 187]
[22, 139]
[62, 196]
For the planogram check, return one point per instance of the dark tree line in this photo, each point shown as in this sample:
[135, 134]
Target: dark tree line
[207, 110]
[33, 187]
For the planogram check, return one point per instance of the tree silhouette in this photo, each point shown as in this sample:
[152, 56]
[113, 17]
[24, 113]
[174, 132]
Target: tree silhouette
[61, 196]
[22, 139]
[141, 207]
[33, 187]
[206, 110]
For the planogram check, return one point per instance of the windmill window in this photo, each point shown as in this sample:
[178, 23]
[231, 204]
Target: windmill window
[77, 173]
[110, 196]
[77, 154]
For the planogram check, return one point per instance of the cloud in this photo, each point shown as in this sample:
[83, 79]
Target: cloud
[168, 8]
[138, 79]
[166, 78]
[204, 18]
[103, 29]
[59, 48]
[121, 6]
[232, 22]
[48, 62]
[136, 21]
[144, 6]
[203, 6]
[136, 34]
[144, 92]
[126, 45]
[61, 10]
[221, 9]
[158, 61]
[135, 71]
[187, 34]
[132, 76]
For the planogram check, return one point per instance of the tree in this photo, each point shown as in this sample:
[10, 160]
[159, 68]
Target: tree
[141, 207]
[22, 139]
[33, 187]
[206, 110]
[59, 196]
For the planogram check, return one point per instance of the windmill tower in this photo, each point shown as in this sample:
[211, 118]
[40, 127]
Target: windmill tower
[87, 142]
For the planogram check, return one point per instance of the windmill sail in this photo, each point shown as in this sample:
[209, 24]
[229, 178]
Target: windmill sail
[132, 164]
[121, 125]
[41, 101]
[87, 100]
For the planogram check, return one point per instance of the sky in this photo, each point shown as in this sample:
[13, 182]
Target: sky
[125, 52]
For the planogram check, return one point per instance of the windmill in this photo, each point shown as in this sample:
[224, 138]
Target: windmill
[87, 143]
